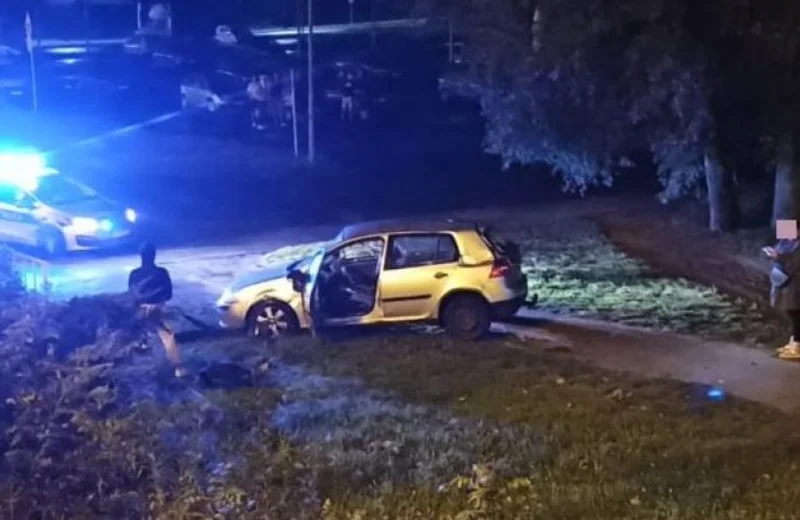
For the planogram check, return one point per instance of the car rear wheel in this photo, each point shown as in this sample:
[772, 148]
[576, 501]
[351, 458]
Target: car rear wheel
[51, 242]
[272, 319]
[466, 317]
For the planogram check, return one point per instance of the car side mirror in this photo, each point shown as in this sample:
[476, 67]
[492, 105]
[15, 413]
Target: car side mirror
[299, 279]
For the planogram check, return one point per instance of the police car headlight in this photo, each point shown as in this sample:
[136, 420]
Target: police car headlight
[130, 215]
[85, 225]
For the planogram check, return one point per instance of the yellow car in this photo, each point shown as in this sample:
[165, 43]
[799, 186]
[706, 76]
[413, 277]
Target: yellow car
[458, 275]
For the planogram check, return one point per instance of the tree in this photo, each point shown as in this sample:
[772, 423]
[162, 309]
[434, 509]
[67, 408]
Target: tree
[577, 84]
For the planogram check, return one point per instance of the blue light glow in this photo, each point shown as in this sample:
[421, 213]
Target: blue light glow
[22, 169]
[715, 394]
[106, 225]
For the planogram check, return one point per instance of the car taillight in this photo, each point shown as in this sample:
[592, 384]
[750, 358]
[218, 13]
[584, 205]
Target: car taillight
[499, 269]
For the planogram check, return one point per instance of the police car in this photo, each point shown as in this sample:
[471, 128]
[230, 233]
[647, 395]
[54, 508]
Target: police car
[42, 208]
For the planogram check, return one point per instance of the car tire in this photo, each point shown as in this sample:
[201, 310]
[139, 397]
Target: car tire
[51, 243]
[466, 317]
[271, 319]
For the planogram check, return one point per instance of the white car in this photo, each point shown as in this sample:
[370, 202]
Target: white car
[42, 208]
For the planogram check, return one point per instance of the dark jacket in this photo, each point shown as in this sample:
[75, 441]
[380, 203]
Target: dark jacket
[787, 298]
[150, 284]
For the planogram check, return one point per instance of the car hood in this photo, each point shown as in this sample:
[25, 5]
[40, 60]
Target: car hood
[90, 207]
[267, 274]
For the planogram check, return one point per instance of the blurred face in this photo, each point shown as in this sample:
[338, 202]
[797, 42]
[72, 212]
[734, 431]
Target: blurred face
[786, 229]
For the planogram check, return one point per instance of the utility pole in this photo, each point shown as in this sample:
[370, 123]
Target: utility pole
[294, 115]
[372, 22]
[86, 26]
[29, 46]
[310, 81]
[352, 6]
[450, 43]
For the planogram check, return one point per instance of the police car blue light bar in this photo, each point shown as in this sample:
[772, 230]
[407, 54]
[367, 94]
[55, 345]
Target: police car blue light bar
[22, 169]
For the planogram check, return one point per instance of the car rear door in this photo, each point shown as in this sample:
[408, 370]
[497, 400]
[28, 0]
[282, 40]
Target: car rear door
[417, 271]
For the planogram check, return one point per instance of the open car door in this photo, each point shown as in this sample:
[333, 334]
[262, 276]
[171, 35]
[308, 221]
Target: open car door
[342, 284]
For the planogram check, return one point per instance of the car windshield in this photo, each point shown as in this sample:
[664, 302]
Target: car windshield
[300, 264]
[303, 263]
[54, 190]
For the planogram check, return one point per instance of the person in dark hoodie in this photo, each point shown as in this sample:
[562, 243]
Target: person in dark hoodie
[785, 284]
[151, 286]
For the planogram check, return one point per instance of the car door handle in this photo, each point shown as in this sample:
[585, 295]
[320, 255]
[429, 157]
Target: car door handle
[440, 275]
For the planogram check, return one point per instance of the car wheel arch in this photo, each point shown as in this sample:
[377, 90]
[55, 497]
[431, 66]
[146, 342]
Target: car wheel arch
[266, 299]
[455, 293]
[54, 232]
[254, 307]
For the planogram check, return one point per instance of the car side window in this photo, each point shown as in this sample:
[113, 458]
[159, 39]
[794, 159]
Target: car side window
[420, 250]
[369, 250]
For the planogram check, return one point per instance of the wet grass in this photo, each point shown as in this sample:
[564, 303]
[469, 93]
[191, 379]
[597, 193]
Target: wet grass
[575, 270]
[410, 426]
[394, 425]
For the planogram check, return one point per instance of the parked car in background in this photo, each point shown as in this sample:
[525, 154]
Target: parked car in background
[458, 275]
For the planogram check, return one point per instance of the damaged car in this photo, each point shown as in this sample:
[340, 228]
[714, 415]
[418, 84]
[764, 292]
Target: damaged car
[457, 275]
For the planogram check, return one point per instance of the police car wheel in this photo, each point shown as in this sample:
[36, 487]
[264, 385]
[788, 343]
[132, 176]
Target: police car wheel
[51, 242]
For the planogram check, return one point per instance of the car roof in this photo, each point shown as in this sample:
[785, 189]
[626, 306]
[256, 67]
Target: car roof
[378, 227]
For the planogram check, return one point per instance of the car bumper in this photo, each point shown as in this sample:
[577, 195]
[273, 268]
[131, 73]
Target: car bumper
[506, 309]
[231, 316]
[89, 242]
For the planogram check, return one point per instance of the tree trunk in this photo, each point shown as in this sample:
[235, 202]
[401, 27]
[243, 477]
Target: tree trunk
[785, 203]
[722, 203]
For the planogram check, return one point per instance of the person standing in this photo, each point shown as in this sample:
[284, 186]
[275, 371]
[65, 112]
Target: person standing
[257, 94]
[151, 287]
[348, 93]
[784, 282]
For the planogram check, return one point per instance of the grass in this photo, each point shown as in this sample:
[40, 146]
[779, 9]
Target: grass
[375, 426]
[574, 269]
[399, 426]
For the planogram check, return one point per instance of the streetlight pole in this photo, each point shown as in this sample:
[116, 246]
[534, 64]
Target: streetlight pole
[310, 81]
[352, 6]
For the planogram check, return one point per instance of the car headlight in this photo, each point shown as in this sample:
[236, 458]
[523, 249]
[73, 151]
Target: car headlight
[130, 215]
[85, 225]
[226, 299]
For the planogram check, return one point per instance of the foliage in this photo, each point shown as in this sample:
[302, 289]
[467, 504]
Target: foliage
[11, 286]
[579, 85]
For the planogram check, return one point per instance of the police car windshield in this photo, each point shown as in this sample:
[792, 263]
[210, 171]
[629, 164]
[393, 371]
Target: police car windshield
[55, 189]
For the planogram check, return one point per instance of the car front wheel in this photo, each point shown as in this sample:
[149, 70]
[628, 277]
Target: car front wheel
[272, 319]
[466, 317]
[51, 242]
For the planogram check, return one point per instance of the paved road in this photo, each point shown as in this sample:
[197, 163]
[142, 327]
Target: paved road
[744, 371]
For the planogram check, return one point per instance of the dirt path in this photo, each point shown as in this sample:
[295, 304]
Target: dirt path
[676, 247]
[743, 371]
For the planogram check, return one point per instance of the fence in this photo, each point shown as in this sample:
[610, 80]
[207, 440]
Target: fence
[33, 272]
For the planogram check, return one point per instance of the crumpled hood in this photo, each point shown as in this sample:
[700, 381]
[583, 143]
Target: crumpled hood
[273, 272]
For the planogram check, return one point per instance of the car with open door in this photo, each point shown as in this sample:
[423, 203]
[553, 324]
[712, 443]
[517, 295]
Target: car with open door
[459, 275]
